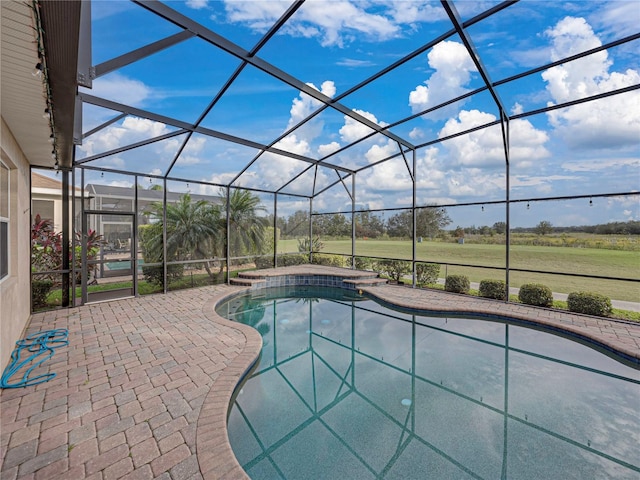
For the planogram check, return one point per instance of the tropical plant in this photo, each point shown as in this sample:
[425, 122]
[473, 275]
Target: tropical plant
[196, 230]
[193, 232]
[247, 228]
[46, 248]
[305, 246]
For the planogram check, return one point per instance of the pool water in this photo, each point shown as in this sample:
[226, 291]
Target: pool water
[349, 389]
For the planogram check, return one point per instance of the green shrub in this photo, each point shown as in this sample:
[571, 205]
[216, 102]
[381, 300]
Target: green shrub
[263, 262]
[589, 303]
[39, 291]
[457, 284]
[292, 259]
[154, 274]
[536, 294]
[427, 273]
[365, 263]
[328, 260]
[315, 245]
[395, 269]
[496, 289]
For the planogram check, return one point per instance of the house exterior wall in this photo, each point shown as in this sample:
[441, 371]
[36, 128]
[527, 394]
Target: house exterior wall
[15, 291]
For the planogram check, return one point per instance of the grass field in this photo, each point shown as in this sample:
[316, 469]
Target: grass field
[585, 261]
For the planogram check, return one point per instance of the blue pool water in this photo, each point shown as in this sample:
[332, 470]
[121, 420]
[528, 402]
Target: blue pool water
[349, 389]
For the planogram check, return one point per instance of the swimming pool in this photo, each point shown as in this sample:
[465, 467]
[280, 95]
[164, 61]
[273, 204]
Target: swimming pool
[347, 388]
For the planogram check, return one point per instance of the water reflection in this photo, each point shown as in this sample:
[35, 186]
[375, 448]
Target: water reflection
[349, 389]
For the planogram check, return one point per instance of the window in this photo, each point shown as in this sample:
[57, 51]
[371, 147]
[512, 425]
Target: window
[4, 221]
[44, 208]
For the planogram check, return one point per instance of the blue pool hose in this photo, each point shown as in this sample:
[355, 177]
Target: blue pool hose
[40, 346]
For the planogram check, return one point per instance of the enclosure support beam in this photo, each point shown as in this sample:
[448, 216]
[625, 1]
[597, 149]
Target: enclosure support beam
[66, 238]
[275, 230]
[310, 230]
[134, 238]
[353, 220]
[413, 213]
[507, 213]
[164, 235]
[228, 239]
[83, 247]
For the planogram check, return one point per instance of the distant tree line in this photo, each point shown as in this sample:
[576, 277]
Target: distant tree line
[632, 227]
[429, 223]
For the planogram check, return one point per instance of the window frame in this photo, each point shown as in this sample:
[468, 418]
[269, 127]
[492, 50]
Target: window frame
[5, 221]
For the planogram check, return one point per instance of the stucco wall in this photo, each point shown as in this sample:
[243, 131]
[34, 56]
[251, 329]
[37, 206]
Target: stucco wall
[15, 294]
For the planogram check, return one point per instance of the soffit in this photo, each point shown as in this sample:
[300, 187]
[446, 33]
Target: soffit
[23, 94]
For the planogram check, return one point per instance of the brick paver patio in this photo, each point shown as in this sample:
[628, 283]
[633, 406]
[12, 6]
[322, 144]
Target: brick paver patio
[143, 388]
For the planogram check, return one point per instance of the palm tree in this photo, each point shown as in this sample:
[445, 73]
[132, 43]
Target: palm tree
[193, 231]
[197, 229]
[246, 227]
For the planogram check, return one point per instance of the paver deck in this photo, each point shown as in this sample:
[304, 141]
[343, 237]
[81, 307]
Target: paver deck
[142, 390]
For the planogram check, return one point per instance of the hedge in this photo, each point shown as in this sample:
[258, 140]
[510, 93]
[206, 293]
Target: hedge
[457, 284]
[536, 294]
[427, 273]
[496, 289]
[395, 269]
[589, 303]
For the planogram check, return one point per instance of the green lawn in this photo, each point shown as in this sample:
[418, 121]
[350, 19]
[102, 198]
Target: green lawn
[587, 261]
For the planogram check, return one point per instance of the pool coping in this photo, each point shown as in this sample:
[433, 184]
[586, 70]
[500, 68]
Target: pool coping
[211, 432]
[619, 338]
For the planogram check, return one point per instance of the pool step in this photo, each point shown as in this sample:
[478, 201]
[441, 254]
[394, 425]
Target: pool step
[356, 278]
[245, 282]
[366, 282]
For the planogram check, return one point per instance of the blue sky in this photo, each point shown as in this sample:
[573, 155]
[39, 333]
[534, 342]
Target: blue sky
[590, 148]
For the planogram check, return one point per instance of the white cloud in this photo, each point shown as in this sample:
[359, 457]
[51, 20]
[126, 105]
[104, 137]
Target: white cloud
[416, 134]
[333, 25]
[197, 4]
[223, 179]
[130, 130]
[416, 11]
[615, 119]
[485, 147]
[121, 89]
[599, 164]
[274, 170]
[428, 174]
[536, 181]
[113, 162]
[328, 148]
[474, 182]
[257, 15]
[304, 105]
[379, 152]
[517, 109]
[618, 19]
[353, 63]
[389, 176]
[354, 130]
[120, 183]
[453, 67]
